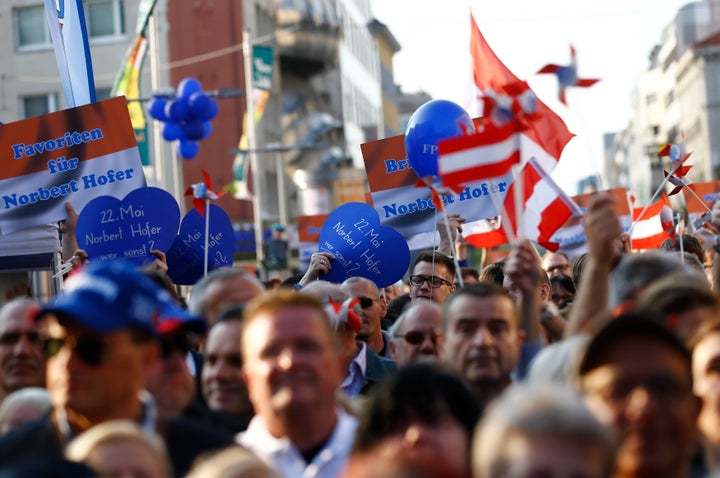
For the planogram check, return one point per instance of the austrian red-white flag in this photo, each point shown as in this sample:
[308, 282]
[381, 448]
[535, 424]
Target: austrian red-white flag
[490, 153]
[547, 208]
[655, 225]
[545, 134]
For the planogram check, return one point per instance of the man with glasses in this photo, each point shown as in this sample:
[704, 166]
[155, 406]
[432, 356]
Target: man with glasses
[22, 363]
[100, 339]
[417, 335]
[373, 308]
[432, 277]
[556, 263]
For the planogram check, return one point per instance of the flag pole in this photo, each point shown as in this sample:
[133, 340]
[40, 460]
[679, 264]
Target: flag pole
[652, 200]
[252, 146]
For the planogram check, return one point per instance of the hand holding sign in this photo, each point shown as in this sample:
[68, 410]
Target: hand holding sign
[146, 219]
[362, 247]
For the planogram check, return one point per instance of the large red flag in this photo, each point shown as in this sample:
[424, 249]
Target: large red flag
[544, 127]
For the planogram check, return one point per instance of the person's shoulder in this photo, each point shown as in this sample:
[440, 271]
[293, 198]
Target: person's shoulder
[186, 439]
[378, 362]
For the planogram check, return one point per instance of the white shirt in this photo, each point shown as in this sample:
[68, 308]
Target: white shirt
[282, 455]
[355, 379]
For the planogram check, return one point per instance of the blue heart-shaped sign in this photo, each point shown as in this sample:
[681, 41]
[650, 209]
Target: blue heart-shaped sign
[109, 229]
[186, 257]
[362, 247]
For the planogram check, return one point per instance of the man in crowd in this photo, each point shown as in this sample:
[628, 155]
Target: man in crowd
[482, 337]
[360, 366]
[222, 383]
[22, 363]
[222, 288]
[417, 333]
[101, 342]
[432, 277]
[373, 308]
[292, 370]
[636, 377]
[556, 263]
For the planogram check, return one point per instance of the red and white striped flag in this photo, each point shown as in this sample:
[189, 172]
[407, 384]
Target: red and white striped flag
[544, 134]
[487, 154]
[654, 226]
[547, 208]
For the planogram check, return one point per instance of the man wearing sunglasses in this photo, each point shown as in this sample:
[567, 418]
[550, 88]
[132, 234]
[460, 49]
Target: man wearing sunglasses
[22, 363]
[417, 334]
[100, 338]
[432, 277]
[373, 308]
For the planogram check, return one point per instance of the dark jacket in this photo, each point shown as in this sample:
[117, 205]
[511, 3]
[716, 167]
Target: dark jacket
[377, 368]
[184, 439]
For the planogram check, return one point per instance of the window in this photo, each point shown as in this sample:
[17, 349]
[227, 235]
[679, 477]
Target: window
[31, 31]
[105, 18]
[36, 105]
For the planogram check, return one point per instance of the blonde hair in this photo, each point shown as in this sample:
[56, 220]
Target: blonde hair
[114, 431]
[232, 462]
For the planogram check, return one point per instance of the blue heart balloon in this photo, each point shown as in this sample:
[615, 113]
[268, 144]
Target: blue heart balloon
[110, 229]
[362, 247]
[186, 257]
[432, 122]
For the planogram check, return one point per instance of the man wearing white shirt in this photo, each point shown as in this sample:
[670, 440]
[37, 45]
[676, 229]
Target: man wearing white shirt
[292, 369]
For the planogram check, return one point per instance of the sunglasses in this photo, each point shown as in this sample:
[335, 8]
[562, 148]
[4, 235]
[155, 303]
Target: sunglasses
[433, 281]
[366, 302]
[91, 350]
[416, 337]
[13, 338]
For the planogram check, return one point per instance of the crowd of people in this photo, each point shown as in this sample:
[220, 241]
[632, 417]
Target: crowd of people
[606, 365]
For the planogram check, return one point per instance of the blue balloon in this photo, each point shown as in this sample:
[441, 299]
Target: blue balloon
[207, 129]
[172, 131]
[157, 109]
[188, 149]
[199, 104]
[194, 130]
[431, 123]
[211, 110]
[177, 110]
[188, 86]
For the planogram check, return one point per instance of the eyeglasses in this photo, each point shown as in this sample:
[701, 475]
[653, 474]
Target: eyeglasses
[91, 350]
[366, 302]
[559, 268]
[416, 337]
[12, 338]
[433, 281]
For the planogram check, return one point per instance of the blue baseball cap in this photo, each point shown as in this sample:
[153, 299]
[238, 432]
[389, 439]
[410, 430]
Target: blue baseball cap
[106, 297]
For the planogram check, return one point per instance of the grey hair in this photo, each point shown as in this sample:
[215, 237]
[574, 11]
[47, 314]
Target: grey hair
[636, 271]
[535, 411]
[197, 302]
[38, 398]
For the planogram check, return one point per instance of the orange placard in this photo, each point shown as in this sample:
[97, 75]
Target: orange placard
[708, 192]
[309, 227]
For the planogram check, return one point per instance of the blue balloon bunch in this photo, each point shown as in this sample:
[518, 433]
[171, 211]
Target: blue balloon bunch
[186, 116]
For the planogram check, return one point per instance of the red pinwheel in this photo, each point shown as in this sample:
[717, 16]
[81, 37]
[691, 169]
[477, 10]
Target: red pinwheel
[513, 101]
[202, 192]
[678, 170]
[567, 75]
[342, 312]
